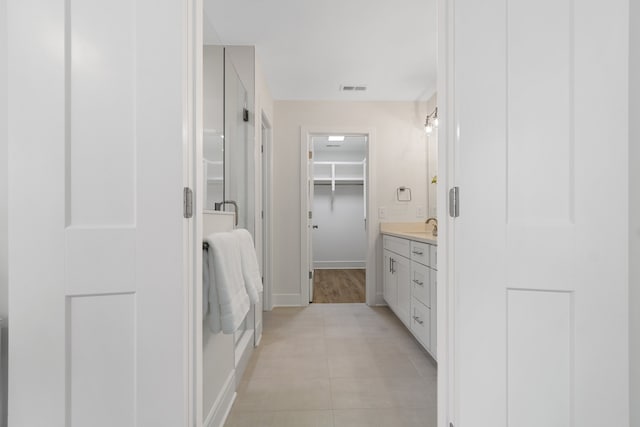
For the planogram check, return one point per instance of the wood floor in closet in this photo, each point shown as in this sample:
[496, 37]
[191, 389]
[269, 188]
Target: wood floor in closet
[339, 286]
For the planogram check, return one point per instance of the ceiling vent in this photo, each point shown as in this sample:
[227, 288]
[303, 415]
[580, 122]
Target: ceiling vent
[353, 88]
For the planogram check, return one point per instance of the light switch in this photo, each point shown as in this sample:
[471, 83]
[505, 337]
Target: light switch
[382, 213]
[420, 212]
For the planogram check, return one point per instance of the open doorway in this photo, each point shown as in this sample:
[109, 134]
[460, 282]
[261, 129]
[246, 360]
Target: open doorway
[339, 219]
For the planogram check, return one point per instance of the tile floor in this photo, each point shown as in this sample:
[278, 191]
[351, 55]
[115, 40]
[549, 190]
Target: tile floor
[336, 365]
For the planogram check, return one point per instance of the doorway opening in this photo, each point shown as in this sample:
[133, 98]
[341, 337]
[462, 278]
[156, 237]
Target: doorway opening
[337, 192]
[339, 219]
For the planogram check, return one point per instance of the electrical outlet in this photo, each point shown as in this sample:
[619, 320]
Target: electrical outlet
[420, 212]
[382, 213]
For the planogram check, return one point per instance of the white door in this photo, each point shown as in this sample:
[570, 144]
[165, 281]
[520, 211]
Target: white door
[98, 288]
[310, 220]
[540, 113]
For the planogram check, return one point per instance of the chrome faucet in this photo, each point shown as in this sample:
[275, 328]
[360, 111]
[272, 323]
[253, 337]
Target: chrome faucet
[435, 225]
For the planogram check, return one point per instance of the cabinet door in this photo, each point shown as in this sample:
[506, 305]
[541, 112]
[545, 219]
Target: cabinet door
[433, 348]
[389, 289]
[401, 271]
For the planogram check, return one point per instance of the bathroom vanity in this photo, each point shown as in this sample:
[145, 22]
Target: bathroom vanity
[409, 264]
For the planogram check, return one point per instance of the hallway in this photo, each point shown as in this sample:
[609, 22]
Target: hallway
[336, 365]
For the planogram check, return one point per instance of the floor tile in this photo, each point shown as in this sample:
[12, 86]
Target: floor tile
[347, 365]
[312, 366]
[384, 417]
[371, 366]
[376, 393]
[280, 394]
[360, 393]
[280, 419]
[298, 346]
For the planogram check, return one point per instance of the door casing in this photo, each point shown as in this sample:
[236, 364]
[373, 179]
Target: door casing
[306, 134]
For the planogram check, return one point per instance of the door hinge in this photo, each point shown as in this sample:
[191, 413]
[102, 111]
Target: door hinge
[310, 215]
[188, 202]
[311, 275]
[262, 148]
[310, 155]
[454, 202]
[261, 214]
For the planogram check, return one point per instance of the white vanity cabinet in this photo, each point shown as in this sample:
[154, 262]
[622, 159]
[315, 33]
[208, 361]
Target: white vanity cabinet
[410, 286]
[397, 289]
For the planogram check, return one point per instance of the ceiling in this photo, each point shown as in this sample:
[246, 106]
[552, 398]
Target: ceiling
[308, 49]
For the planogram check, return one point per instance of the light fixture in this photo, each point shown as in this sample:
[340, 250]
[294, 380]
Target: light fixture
[336, 138]
[428, 128]
[431, 121]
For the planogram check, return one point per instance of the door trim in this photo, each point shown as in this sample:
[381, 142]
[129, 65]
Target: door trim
[306, 133]
[194, 127]
[446, 295]
[267, 206]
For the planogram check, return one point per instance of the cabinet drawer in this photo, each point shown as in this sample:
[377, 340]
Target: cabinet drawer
[421, 322]
[420, 252]
[421, 283]
[397, 245]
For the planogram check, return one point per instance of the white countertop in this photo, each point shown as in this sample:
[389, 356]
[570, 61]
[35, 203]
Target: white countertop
[416, 231]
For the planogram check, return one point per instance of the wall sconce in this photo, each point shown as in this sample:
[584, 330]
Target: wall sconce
[431, 121]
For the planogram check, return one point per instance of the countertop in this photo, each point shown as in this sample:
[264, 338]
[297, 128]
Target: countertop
[417, 231]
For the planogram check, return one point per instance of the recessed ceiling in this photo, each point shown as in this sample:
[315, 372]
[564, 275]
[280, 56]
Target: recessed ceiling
[308, 50]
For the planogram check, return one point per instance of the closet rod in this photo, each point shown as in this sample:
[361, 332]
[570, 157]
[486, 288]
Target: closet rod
[340, 183]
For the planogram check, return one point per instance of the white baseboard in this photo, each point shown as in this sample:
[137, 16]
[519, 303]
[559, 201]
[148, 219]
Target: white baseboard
[286, 300]
[380, 300]
[339, 265]
[222, 406]
[258, 335]
[243, 352]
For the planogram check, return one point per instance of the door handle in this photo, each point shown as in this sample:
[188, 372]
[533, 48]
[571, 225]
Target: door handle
[315, 227]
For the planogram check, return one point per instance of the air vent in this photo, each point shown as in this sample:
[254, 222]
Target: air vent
[333, 145]
[353, 88]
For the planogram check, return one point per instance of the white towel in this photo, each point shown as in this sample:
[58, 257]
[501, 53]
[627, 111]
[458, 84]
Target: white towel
[228, 299]
[250, 267]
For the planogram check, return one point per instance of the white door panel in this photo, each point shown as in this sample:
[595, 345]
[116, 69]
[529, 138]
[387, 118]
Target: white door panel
[540, 116]
[98, 299]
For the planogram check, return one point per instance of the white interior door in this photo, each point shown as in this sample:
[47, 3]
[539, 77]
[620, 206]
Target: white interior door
[310, 228]
[540, 114]
[99, 292]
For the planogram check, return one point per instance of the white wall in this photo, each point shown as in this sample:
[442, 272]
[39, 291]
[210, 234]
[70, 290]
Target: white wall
[4, 296]
[400, 153]
[634, 214]
[432, 161]
[341, 239]
[264, 106]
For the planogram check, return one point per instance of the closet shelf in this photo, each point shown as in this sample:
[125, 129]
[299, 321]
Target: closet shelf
[347, 176]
